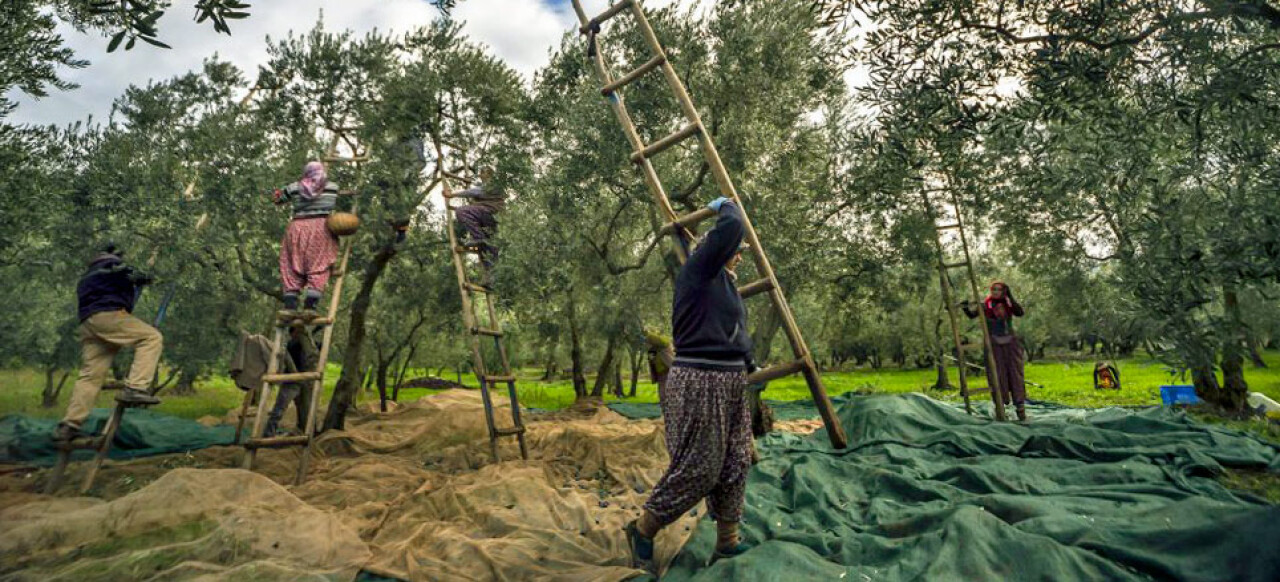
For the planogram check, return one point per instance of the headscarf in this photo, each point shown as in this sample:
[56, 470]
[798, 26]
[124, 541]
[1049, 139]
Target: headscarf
[997, 307]
[313, 180]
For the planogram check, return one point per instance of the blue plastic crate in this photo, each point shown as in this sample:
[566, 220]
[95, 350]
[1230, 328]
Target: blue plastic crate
[1178, 394]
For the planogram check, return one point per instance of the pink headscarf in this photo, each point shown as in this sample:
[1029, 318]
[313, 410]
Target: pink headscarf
[313, 180]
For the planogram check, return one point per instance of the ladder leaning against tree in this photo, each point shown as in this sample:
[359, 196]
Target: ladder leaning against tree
[282, 321]
[964, 261]
[803, 361]
[469, 291]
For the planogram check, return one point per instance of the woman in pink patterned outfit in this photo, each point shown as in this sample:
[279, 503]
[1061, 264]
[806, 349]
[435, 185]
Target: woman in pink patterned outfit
[308, 250]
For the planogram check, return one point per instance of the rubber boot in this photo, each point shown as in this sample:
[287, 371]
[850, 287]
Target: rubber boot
[641, 550]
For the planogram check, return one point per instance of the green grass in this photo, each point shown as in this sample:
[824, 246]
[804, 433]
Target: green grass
[1069, 383]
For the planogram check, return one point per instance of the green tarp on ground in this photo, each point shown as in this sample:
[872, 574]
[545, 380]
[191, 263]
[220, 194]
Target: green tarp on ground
[143, 433]
[926, 492]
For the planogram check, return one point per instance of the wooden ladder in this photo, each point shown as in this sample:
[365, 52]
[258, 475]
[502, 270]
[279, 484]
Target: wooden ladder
[945, 266]
[803, 360]
[474, 328]
[101, 444]
[273, 377]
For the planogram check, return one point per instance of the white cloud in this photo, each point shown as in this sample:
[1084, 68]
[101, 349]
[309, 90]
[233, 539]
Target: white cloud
[520, 32]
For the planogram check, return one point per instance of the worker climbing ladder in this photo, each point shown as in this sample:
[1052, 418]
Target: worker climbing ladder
[474, 328]
[283, 321]
[964, 261]
[803, 360]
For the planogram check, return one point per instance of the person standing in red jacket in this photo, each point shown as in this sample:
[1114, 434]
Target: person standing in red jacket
[998, 310]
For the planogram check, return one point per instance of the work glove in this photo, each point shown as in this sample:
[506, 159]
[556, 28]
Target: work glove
[717, 203]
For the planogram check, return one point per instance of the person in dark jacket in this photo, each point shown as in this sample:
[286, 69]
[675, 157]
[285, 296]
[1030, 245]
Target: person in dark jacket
[106, 294]
[704, 406]
[998, 310]
[304, 356]
[478, 217]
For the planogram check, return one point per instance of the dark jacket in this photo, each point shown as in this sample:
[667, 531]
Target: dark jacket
[708, 319]
[486, 197]
[108, 285]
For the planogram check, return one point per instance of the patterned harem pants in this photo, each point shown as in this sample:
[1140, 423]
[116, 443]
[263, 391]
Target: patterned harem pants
[306, 254]
[708, 430]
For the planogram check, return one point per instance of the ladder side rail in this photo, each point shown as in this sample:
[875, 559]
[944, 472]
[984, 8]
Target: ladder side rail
[104, 446]
[468, 313]
[993, 375]
[264, 391]
[798, 346]
[512, 395]
[727, 189]
[948, 296]
[616, 103]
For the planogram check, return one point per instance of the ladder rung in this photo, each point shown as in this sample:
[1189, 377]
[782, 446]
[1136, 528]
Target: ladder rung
[954, 265]
[461, 249]
[488, 332]
[689, 220]
[779, 371]
[496, 379]
[276, 442]
[947, 226]
[477, 288]
[347, 192]
[294, 377]
[629, 78]
[321, 321]
[513, 431]
[606, 15]
[659, 146]
[755, 287]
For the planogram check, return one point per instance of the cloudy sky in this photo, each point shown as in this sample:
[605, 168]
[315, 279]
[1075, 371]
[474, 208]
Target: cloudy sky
[521, 32]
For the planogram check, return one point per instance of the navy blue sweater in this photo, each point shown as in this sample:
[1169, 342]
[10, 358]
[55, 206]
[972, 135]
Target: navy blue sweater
[107, 286]
[708, 319]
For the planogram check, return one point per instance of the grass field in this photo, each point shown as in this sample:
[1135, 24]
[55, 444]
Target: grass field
[1069, 383]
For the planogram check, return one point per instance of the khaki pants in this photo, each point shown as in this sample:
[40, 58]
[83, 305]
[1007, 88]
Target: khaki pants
[101, 336]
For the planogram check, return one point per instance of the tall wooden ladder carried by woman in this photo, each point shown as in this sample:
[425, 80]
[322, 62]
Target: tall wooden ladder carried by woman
[274, 377]
[959, 245]
[471, 321]
[803, 360]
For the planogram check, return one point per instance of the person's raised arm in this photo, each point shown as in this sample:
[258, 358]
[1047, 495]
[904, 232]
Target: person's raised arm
[1014, 307]
[720, 244]
[969, 309]
[283, 195]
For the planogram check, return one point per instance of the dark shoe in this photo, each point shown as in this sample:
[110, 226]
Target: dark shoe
[65, 432]
[1022, 414]
[733, 552]
[135, 396]
[471, 243]
[641, 549]
[290, 301]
